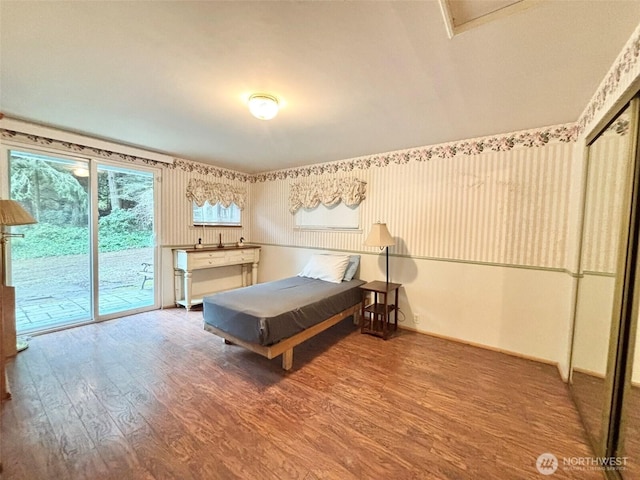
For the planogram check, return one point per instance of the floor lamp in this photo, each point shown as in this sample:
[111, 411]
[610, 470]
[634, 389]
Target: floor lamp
[379, 236]
[11, 214]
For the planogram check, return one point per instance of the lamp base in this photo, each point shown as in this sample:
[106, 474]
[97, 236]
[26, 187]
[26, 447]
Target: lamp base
[8, 297]
[21, 345]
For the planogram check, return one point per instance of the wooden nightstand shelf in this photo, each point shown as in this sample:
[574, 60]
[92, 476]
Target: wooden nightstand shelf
[376, 316]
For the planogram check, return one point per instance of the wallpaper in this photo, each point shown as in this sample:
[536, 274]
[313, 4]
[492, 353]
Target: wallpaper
[609, 169]
[504, 207]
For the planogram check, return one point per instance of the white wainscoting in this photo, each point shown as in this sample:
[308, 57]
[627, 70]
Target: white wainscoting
[517, 310]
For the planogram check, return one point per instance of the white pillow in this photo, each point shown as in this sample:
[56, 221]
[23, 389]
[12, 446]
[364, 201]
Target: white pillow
[329, 268]
[350, 272]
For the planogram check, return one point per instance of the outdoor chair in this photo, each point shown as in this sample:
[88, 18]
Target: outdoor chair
[147, 273]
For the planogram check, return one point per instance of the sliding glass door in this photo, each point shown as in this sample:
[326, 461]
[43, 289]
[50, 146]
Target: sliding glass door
[92, 253]
[51, 266]
[125, 239]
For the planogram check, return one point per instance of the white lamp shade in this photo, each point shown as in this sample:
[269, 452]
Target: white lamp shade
[379, 236]
[263, 106]
[12, 213]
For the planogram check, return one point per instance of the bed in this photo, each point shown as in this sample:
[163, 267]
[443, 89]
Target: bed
[272, 318]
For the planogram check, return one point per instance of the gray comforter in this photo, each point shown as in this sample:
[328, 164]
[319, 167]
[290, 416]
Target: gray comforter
[269, 312]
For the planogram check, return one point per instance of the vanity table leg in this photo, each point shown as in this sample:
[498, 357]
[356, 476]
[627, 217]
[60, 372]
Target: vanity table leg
[187, 290]
[244, 274]
[178, 282]
[254, 273]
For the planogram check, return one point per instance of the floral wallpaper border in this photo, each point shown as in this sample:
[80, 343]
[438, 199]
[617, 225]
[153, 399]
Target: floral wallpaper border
[184, 165]
[620, 125]
[566, 133]
[210, 170]
[528, 138]
[625, 62]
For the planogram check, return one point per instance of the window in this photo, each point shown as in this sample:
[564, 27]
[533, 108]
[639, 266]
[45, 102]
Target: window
[334, 217]
[327, 204]
[216, 214]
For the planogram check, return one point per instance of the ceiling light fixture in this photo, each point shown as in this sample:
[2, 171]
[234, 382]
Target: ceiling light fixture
[263, 106]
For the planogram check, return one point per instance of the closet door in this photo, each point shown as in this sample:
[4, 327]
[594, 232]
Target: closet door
[603, 301]
[627, 444]
[624, 430]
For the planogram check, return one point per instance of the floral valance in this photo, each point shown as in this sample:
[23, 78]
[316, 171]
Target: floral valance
[200, 191]
[350, 191]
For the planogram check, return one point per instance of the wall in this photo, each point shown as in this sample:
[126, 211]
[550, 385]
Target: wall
[488, 243]
[462, 224]
[508, 207]
[178, 232]
[510, 309]
[481, 228]
[481, 231]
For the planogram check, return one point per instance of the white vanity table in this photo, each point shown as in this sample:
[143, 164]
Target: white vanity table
[185, 261]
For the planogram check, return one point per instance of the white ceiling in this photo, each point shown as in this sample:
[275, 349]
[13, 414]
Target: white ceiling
[355, 78]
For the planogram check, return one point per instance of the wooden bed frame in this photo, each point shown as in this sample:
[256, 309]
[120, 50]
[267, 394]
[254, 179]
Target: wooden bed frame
[285, 347]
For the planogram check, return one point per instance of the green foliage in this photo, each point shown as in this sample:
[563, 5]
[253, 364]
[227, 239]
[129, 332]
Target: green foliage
[59, 200]
[48, 186]
[125, 190]
[117, 221]
[118, 231]
[47, 240]
[125, 241]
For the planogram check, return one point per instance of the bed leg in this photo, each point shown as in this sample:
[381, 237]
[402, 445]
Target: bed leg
[287, 359]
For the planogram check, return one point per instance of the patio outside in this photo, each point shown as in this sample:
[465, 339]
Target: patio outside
[55, 291]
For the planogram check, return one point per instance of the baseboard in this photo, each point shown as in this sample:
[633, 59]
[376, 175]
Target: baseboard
[563, 377]
[489, 347]
[591, 373]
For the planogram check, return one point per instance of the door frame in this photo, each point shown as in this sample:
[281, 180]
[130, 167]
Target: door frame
[157, 180]
[93, 162]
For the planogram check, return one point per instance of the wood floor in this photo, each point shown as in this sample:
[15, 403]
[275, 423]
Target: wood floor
[589, 394]
[153, 396]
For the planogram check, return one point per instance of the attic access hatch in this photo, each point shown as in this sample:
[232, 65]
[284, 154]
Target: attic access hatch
[462, 15]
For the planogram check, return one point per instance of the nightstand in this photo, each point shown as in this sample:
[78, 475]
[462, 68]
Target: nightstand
[376, 316]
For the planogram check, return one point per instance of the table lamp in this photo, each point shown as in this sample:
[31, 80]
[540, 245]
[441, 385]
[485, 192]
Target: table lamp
[11, 213]
[379, 236]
